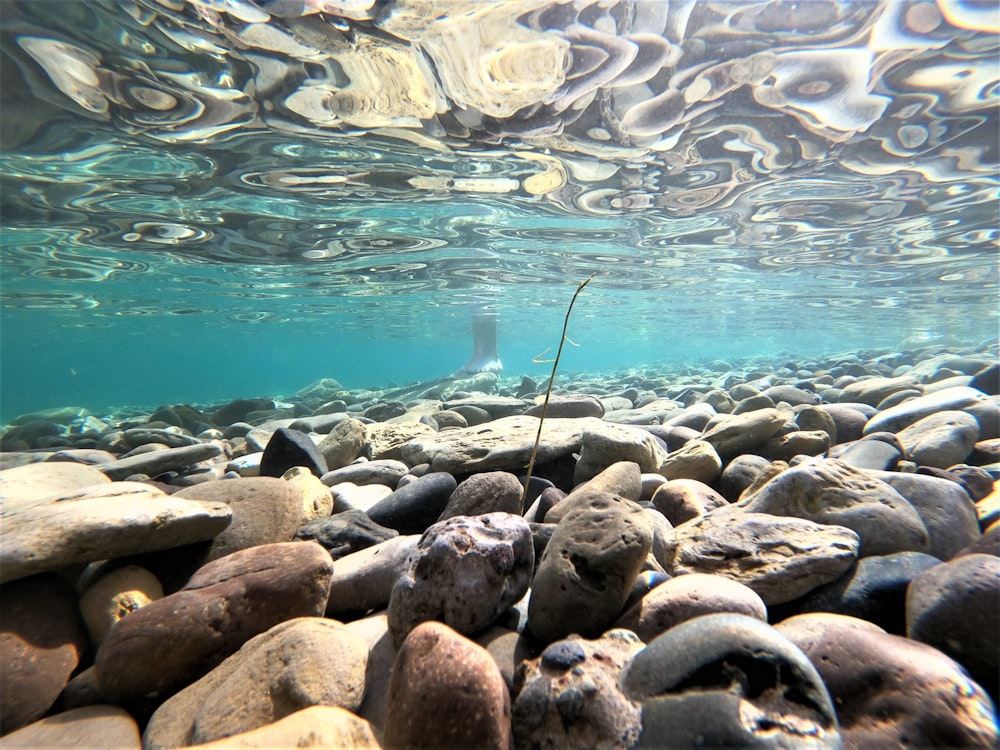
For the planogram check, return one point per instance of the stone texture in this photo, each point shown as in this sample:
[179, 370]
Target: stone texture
[588, 567]
[896, 418]
[101, 522]
[265, 510]
[871, 452]
[891, 691]
[374, 630]
[317, 726]
[686, 597]
[154, 463]
[39, 481]
[603, 444]
[41, 641]
[831, 492]
[741, 433]
[387, 472]
[316, 498]
[307, 661]
[344, 443]
[874, 390]
[489, 492]
[86, 727]
[681, 500]
[508, 649]
[289, 448]
[696, 459]
[464, 572]
[415, 506]
[798, 443]
[363, 580]
[955, 607]
[349, 496]
[115, 595]
[942, 439]
[446, 693]
[344, 533]
[173, 641]
[573, 406]
[569, 697]
[388, 440]
[778, 557]
[729, 680]
[741, 473]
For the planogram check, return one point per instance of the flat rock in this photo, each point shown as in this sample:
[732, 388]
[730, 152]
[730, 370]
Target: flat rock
[896, 418]
[623, 478]
[41, 642]
[446, 692]
[85, 727]
[942, 439]
[101, 522]
[740, 433]
[488, 492]
[387, 472]
[344, 533]
[171, 642]
[388, 440]
[154, 463]
[686, 597]
[891, 691]
[569, 697]
[729, 680]
[571, 406]
[589, 566]
[778, 557]
[464, 572]
[307, 661]
[410, 509]
[874, 390]
[316, 726]
[38, 481]
[955, 607]
[696, 459]
[603, 444]
[831, 492]
[363, 580]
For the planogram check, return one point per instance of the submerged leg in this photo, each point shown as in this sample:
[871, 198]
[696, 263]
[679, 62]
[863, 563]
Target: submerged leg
[484, 345]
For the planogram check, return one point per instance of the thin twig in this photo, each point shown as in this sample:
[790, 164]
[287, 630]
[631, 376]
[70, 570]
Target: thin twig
[548, 390]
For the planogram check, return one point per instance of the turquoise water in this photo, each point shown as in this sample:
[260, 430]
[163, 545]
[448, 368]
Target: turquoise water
[219, 199]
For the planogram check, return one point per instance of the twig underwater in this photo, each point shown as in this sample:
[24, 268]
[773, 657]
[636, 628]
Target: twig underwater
[548, 390]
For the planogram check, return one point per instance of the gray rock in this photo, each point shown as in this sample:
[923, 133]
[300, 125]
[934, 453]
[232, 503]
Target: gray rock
[941, 439]
[572, 406]
[696, 459]
[729, 680]
[157, 462]
[849, 418]
[740, 433]
[588, 567]
[874, 390]
[415, 506]
[387, 472]
[623, 478]
[289, 448]
[363, 580]
[740, 473]
[172, 437]
[569, 697]
[344, 443]
[812, 418]
[896, 418]
[603, 444]
[464, 572]
[780, 558]
[791, 395]
[388, 440]
[489, 492]
[831, 492]
[344, 533]
[870, 452]
[798, 443]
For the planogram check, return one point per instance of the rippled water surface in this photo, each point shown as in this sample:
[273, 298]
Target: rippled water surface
[210, 198]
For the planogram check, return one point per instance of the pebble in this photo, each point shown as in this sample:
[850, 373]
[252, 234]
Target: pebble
[603, 444]
[686, 597]
[569, 696]
[303, 662]
[114, 595]
[696, 459]
[681, 500]
[729, 680]
[942, 439]
[41, 642]
[464, 572]
[343, 443]
[387, 473]
[489, 492]
[364, 580]
[732, 435]
[589, 566]
[344, 533]
[288, 448]
[897, 418]
[154, 463]
[446, 692]
[955, 607]
[573, 406]
[85, 727]
[892, 691]
[39, 481]
[173, 641]
[410, 509]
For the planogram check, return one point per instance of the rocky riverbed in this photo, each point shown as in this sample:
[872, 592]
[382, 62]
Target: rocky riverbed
[751, 553]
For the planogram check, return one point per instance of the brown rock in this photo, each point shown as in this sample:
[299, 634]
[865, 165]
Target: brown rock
[681, 500]
[115, 595]
[317, 726]
[446, 692]
[696, 459]
[87, 727]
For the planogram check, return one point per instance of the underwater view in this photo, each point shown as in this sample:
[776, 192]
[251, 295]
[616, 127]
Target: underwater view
[509, 374]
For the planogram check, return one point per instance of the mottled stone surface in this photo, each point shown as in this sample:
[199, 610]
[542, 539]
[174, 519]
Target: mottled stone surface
[681, 500]
[446, 693]
[415, 506]
[173, 641]
[778, 557]
[488, 492]
[942, 439]
[307, 661]
[316, 726]
[464, 572]
[569, 697]
[603, 444]
[344, 533]
[363, 580]
[344, 443]
[115, 595]
[588, 567]
[85, 727]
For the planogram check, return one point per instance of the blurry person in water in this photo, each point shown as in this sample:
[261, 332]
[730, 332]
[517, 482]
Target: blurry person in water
[484, 345]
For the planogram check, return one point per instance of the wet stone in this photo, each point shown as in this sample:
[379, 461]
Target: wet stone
[290, 448]
[411, 508]
[344, 533]
[489, 492]
[344, 443]
[85, 727]
[681, 500]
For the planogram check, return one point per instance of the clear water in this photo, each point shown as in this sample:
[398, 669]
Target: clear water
[211, 199]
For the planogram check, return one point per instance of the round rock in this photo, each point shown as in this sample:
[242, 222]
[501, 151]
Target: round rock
[415, 506]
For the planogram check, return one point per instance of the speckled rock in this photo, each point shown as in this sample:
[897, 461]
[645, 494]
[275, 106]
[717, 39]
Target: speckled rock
[446, 693]
[307, 661]
[891, 691]
[154, 463]
[680, 500]
[569, 697]
[115, 595]
[288, 448]
[415, 506]
[316, 726]
[388, 440]
[364, 579]
[171, 642]
[344, 443]
[101, 522]
[740, 433]
[464, 572]
[38, 481]
[729, 680]
[41, 641]
[344, 533]
[696, 459]
[831, 492]
[86, 727]
[955, 607]
[489, 492]
[588, 567]
[603, 444]
[686, 597]
[623, 478]
[942, 439]
[778, 557]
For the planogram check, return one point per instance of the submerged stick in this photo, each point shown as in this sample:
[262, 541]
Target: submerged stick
[548, 390]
